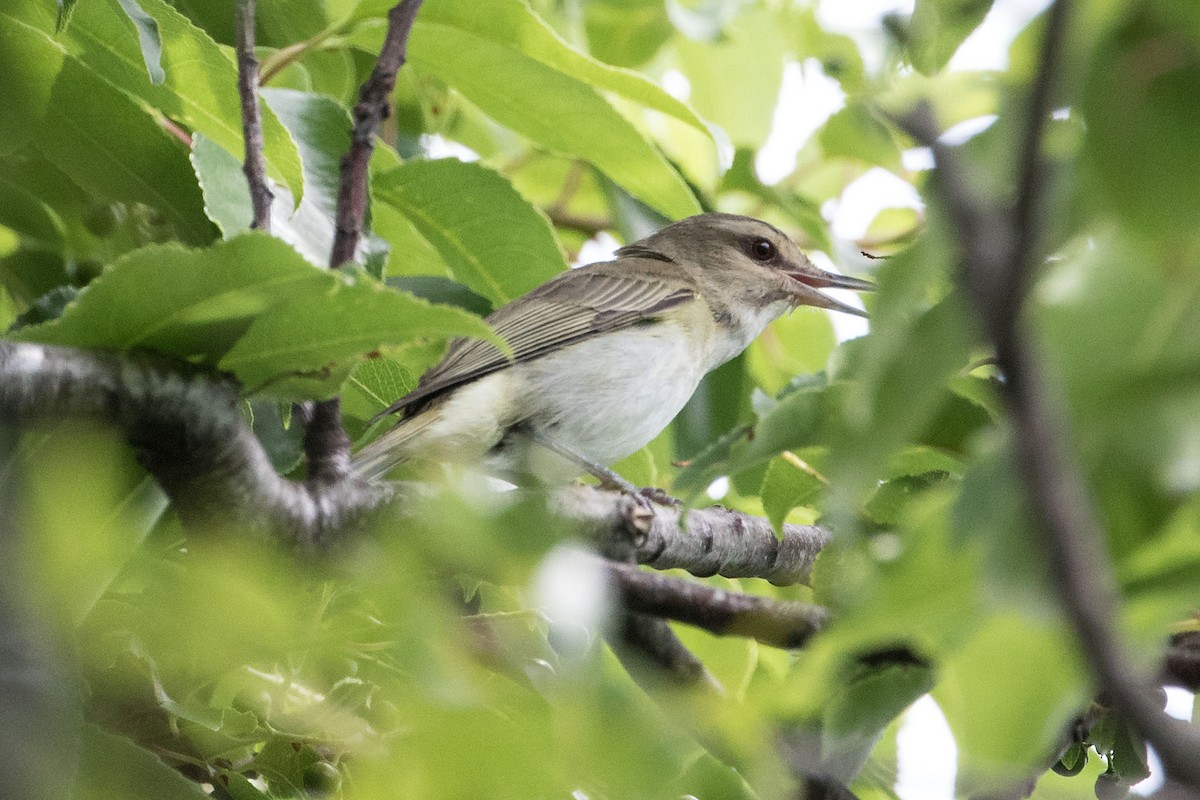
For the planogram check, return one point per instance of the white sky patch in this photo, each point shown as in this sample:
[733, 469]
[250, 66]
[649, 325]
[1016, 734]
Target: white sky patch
[571, 588]
[987, 46]
[437, 146]
[807, 98]
[926, 754]
[718, 488]
[861, 201]
[917, 159]
[676, 84]
[968, 128]
[600, 247]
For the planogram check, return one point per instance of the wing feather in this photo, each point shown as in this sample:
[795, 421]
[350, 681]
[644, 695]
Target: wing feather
[574, 306]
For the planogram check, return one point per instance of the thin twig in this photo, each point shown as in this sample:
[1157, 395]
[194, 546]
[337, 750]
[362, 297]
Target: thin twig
[325, 444]
[775, 622]
[254, 165]
[371, 110]
[999, 250]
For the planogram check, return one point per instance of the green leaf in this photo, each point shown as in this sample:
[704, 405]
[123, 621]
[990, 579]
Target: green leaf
[626, 33]
[112, 766]
[735, 82]
[223, 184]
[375, 384]
[562, 112]
[29, 64]
[321, 129]
[855, 132]
[340, 323]
[148, 38]
[785, 486]
[110, 146]
[1008, 695]
[862, 708]
[493, 240]
[200, 86]
[193, 303]
[24, 213]
[938, 27]
[1141, 126]
[512, 24]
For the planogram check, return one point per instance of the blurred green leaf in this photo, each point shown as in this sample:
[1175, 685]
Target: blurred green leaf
[1142, 118]
[512, 24]
[112, 767]
[735, 82]
[1008, 695]
[787, 485]
[855, 132]
[626, 33]
[938, 27]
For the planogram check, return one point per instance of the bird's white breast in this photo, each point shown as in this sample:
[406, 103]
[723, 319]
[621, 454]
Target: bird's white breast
[609, 396]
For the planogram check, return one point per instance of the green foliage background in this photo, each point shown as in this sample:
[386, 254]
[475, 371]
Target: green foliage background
[123, 224]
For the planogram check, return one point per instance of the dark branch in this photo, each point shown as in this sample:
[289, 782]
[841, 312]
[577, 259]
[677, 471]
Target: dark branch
[255, 165]
[774, 622]
[326, 445]
[371, 110]
[187, 432]
[653, 655]
[999, 250]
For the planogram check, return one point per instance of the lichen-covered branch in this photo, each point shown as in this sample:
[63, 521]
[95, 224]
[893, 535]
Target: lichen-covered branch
[185, 426]
[716, 541]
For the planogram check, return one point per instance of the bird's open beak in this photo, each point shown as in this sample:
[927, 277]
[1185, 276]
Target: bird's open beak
[811, 278]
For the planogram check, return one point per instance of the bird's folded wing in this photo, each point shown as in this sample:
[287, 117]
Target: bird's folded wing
[574, 306]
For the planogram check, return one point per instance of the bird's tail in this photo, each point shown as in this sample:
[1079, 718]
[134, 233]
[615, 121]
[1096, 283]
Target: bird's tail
[392, 448]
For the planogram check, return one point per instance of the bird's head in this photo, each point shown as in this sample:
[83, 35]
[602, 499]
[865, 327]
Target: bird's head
[745, 259]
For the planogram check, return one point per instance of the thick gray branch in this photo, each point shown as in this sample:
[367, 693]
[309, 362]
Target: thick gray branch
[715, 541]
[188, 433]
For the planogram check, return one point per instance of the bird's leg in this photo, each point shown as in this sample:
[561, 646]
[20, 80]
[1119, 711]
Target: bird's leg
[608, 478]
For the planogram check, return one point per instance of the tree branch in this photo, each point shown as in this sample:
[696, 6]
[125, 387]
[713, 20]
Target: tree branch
[188, 433]
[255, 165]
[371, 110]
[999, 250]
[774, 622]
[325, 443]
[717, 541]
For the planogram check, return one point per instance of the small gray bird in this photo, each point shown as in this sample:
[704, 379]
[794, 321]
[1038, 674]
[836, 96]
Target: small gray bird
[604, 356]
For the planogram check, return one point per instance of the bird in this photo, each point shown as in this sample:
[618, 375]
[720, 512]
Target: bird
[602, 357]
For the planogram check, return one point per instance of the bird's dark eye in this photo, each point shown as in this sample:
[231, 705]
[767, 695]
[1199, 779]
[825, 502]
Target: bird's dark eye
[762, 249]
